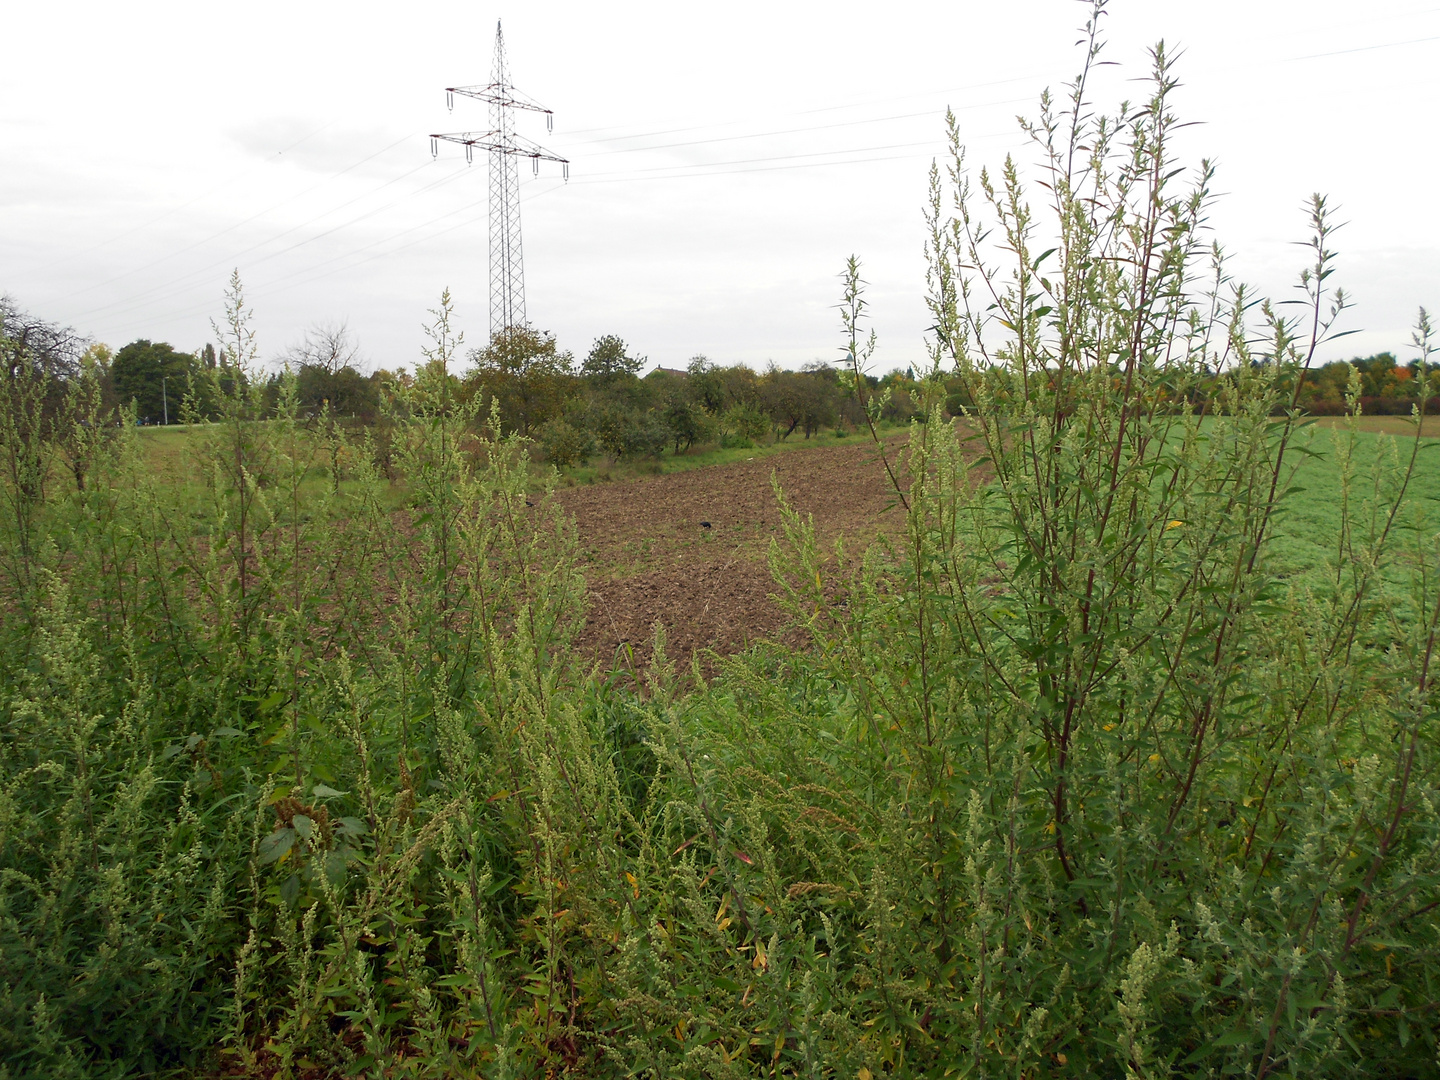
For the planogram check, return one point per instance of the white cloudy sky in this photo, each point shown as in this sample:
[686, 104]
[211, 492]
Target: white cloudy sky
[726, 158]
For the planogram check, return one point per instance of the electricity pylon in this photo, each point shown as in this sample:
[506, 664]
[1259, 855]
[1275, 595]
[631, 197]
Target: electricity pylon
[505, 147]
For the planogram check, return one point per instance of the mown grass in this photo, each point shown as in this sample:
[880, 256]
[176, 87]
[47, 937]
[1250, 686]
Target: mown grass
[1384, 425]
[1323, 497]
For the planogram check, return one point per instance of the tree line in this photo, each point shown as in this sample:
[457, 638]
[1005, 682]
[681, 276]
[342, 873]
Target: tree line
[574, 409]
[599, 405]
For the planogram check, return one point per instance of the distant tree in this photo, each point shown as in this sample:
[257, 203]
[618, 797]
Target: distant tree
[154, 375]
[524, 370]
[326, 362]
[1327, 384]
[740, 385]
[609, 359]
[684, 414]
[900, 396]
[824, 399]
[327, 346]
[707, 385]
[629, 433]
[781, 400]
[565, 444]
[31, 347]
[742, 425]
[39, 363]
[100, 355]
[347, 392]
[1377, 374]
[808, 400]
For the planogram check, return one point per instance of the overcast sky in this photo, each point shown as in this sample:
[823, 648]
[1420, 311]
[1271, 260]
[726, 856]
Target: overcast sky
[725, 158]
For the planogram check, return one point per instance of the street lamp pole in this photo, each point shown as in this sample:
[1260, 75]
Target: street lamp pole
[164, 400]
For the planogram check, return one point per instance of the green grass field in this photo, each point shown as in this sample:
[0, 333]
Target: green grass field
[1308, 528]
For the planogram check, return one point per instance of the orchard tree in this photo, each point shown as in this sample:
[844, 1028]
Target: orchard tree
[523, 370]
[609, 359]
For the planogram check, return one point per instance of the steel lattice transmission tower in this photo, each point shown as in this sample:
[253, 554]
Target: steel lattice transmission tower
[505, 147]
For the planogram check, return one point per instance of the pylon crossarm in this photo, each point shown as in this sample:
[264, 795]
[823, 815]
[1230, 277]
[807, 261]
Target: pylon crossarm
[496, 142]
[500, 94]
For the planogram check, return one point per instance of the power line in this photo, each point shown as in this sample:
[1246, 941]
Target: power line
[267, 288]
[772, 157]
[230, 259]
[722, 168]
[1365, 48]
[856, 104]
[189, 203]
[801, 130]
[238, 224]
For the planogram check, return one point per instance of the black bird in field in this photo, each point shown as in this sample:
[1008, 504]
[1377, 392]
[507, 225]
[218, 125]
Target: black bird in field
[704, 525]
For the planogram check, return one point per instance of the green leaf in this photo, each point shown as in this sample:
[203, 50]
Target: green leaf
[324, 791]
[303, 825]
[274, 846]
[1232, 1038]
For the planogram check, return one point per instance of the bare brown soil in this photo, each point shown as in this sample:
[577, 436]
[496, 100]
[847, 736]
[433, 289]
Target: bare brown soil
[648, 556]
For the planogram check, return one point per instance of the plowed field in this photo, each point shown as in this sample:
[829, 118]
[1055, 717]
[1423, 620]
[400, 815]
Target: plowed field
[649, 555]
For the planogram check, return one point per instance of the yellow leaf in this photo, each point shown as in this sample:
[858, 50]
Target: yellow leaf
[863, 1074]
[1174, 525]
[1154, 757]
[1108, 727]
[1050, 828]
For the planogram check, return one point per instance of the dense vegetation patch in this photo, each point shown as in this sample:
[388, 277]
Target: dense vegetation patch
[1075, 779]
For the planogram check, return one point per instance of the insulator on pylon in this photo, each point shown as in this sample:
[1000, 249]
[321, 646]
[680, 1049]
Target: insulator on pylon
[449, 101]
[550, 122]
[469, 155]
[434, 147]
[535, 161]
[566, 170]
